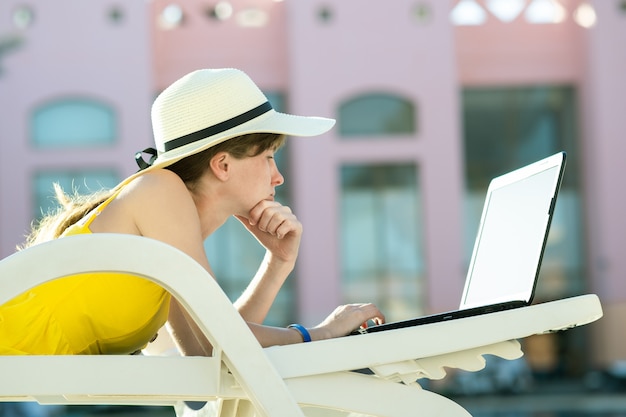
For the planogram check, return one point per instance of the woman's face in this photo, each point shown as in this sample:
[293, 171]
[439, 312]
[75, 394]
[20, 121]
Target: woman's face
[255, 179]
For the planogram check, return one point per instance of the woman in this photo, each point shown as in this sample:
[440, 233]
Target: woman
[216, 135]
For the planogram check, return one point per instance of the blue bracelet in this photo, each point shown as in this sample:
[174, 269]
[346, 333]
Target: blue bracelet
[302, 330]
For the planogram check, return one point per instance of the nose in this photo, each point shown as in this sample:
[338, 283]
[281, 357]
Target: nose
[277, 177]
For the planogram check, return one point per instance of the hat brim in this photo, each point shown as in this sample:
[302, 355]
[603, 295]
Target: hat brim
[271, 122]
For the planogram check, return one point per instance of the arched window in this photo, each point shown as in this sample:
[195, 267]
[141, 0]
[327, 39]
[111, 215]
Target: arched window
[71, 123]
[377, 114]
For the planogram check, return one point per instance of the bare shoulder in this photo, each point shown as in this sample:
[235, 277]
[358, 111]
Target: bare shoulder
[143, 198]
[156, 184]
[157, 205]
[158, 197]
[163, 208]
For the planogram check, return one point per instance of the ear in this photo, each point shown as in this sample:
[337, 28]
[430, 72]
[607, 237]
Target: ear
[220, 166]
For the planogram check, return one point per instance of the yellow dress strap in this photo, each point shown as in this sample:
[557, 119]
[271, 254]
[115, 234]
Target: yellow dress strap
[94, 213]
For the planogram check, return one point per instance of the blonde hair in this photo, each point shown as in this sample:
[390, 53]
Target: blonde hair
[72, 208]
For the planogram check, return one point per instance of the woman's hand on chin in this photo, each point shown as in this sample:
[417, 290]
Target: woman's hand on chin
[276, 228]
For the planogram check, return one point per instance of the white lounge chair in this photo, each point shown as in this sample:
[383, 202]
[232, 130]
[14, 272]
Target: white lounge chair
[241, 378]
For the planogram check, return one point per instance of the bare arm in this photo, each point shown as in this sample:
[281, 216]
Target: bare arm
[280, 232]
[186, 334]
[340, 322]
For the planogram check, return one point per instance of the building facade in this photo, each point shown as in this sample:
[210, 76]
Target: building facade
[432, 99]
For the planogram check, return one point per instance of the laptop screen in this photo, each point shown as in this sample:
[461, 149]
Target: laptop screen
[511, 237]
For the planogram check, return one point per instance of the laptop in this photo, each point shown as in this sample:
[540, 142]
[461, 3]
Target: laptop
[509, 246]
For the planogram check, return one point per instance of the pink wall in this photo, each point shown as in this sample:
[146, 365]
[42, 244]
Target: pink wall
[605, 172]
[204, 42]
[517, 52]
[605, 147]
[362, 49]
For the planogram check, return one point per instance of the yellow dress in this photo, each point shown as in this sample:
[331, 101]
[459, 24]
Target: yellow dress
[103, 313]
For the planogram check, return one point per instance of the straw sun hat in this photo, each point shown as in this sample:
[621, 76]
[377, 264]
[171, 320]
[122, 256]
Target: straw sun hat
[209, 106]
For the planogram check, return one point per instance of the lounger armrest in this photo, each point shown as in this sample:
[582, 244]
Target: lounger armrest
[437, 339]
